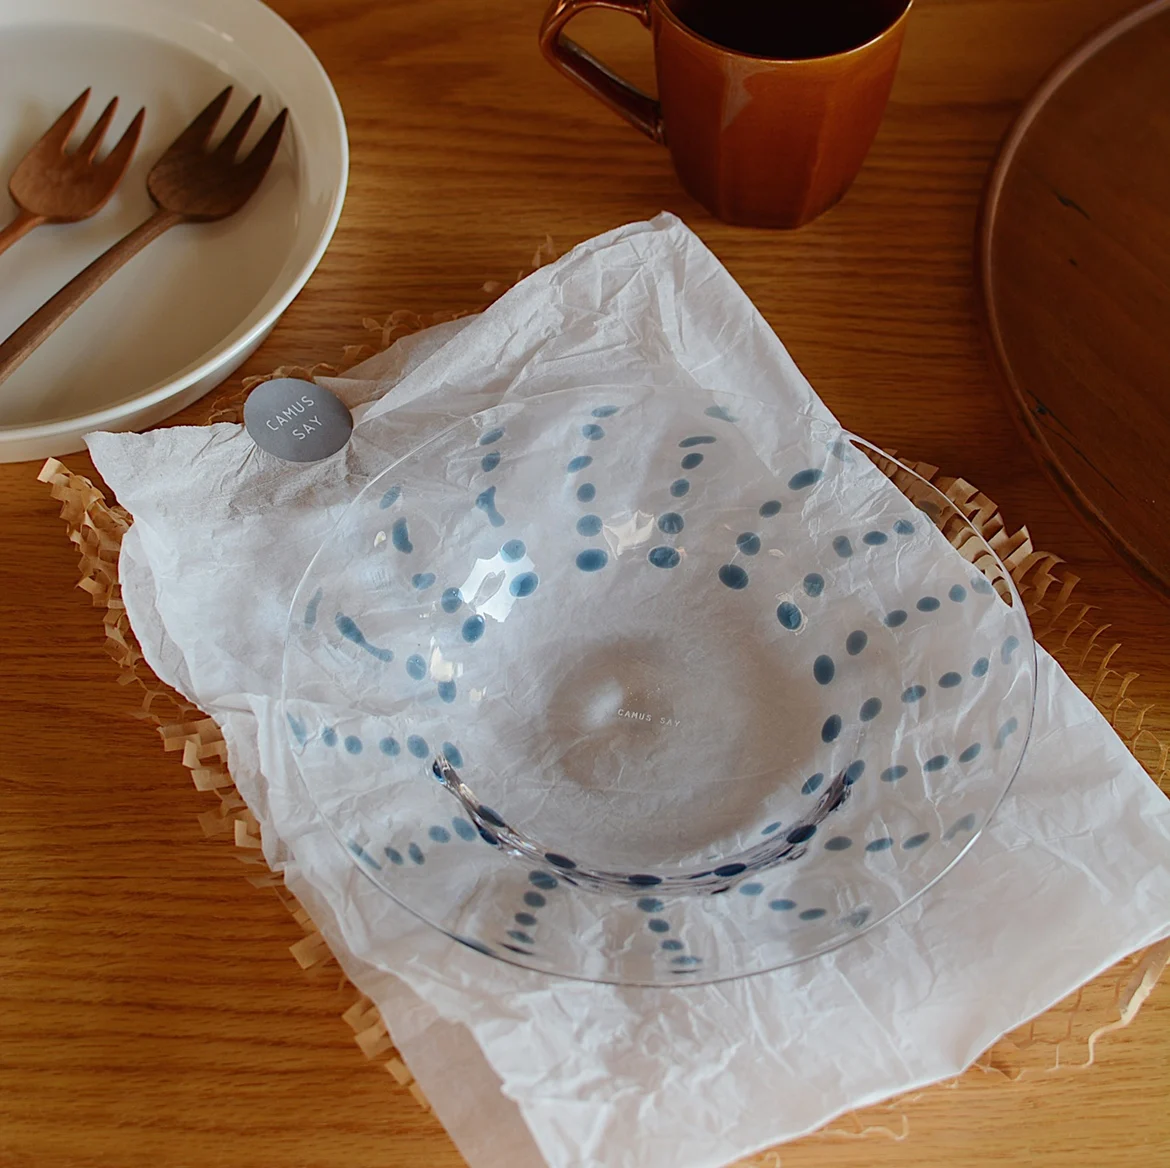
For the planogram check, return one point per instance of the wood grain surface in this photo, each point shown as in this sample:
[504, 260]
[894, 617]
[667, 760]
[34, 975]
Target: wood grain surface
[1074, 267]
[150, 1013]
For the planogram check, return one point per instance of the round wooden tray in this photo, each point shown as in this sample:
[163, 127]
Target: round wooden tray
[1074, 266]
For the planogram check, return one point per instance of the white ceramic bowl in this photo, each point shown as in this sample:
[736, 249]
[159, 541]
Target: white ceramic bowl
[191, 308]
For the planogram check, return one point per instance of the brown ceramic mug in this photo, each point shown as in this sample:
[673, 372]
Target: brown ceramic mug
[768, 107]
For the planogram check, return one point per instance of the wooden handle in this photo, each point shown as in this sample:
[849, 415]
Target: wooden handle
[638, 108]
[24, 222]
[55, 311]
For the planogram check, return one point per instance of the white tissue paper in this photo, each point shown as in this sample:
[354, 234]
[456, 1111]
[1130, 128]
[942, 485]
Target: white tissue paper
[526, 1069]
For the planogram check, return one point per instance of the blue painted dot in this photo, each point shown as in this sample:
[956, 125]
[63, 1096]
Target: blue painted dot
[853, 772]
[463, 829]
[513, 550]
[929, 604]
[936, 763]
[605, 411]
[417, 746]
[857, 918]
[491, 437]
[971, 753]
[903, 527]
[874, 538]
[592, 560]
[586, 492]
[440, 834]
[980, 668]
[823, 669]
[812, 783]
[879, 845]
[788, 615]
[400, 536]
[593, 432]
[452, 599]
[950, 680]
[447, 691]
[1005, 731]
[691, 461]
[805, 478]
[353, 744]
[687, 960]
[579, 463]
[856, 642]
[527, 920]
[422, 580]
[658, 926]
[543, 880]
[311, 609]
[524, 585]
[730, 869]
[416, 667]
[671, 523]
[664, 557]
[534, 900]
[298, 729]
[914, 693]
[393, 855]
[895, 619]
[957, 593]
[559, 861]
[733, 576]
[843, 547]
[493, 817]
[782, 905]
[649, 904]
[348, 628]
[521, 936]
[329, 736]
[839, 843]
[812, 914]
[672, 946]
[698, 440]
[1009, 647]
[771, 828]
[390, 497]
[416, 854]
[770, 508]
[486, 502]
[751, 889]
[473, 629]
[967, 823]
[870, 709]
[814, 584]
[831, 728]
[748, 543]
[389, 747]
[800, 835]
[916, 841]
[679, 488]
[490, 461]
[981, 585]
[720, 412]
[894, 773]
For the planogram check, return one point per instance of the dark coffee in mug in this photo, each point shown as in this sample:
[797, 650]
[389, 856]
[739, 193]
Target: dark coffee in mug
[788, 30]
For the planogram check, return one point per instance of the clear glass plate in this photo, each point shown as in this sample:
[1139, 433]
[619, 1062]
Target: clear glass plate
[655, 687]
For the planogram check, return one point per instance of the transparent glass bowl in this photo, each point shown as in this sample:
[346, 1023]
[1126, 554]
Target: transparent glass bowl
[655, 687]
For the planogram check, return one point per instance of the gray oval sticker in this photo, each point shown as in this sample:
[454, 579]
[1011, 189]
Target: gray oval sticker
[296, 420]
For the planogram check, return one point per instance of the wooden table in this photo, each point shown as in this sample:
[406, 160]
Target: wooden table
[150, 1013]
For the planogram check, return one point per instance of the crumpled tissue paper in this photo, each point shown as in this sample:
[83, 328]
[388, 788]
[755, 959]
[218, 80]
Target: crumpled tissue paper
[526, 1069]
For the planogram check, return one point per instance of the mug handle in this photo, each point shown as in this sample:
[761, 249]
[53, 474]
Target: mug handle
[638, 108]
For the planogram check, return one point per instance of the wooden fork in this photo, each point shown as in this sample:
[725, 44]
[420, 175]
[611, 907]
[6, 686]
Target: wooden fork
[189, 183]
[50, 186]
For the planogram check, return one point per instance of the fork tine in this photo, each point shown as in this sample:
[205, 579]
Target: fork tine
[93, 139]
[260, 159]
[115, 163]
[197, 134]
[60, 131]
[232, 139]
